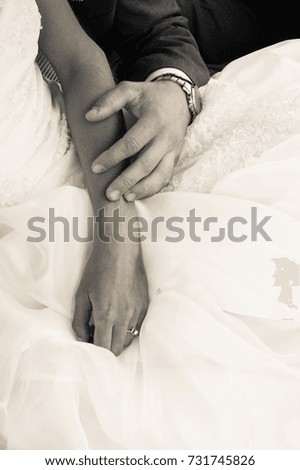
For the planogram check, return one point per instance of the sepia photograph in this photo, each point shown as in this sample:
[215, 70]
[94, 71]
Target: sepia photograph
[149, 233]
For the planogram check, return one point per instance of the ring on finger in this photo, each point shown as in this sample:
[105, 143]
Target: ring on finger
[133, 331]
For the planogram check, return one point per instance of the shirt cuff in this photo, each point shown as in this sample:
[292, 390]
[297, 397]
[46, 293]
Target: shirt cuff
[174, 71]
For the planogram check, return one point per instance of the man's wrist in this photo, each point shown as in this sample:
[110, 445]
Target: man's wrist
[177, 96]
[191, 92]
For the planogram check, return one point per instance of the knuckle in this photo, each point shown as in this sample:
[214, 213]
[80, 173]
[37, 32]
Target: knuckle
[149, 190]
[106, 101]
[143, 190]
[103, 323]
[147, 164]
[122, 323]
[154, 186]
[125, 182]
[112, 157]
[131, 145]
[153, 189]
[109, 316]
[108, 159]
[124, 85]
[131, 91]
[142, 90]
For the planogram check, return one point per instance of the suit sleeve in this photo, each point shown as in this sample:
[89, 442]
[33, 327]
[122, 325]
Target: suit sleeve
[152, 34]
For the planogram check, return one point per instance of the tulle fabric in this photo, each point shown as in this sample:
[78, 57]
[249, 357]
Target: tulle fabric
[217, 362]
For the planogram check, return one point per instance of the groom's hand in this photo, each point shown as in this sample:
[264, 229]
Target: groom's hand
[161, 118]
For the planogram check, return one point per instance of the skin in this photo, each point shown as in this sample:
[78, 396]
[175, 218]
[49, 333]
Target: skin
[113, 292]
[161, 119]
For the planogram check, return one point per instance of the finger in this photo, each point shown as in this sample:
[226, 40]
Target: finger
[141, 319]
[156, 181]
[118, 339]
[130, 337]
[103, 334]
[143, 166]
[82, 315]
[128, 340]
[133, 325]
[112, 101]
[129, 145]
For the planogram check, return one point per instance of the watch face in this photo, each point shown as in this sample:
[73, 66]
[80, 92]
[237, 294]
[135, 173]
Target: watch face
[196, 100]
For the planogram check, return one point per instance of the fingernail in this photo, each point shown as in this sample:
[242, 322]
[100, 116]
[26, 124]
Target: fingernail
[93, 112]
[114, 195]
[130, 197]
[98, 168]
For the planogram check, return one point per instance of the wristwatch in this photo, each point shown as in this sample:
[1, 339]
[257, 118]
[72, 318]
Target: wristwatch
[191, 91]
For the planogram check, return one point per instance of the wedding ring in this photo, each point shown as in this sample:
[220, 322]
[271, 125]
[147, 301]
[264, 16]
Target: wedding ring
[133, 331]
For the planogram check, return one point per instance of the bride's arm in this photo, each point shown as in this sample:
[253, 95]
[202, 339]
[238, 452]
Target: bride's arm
[114, 285]
[83, 72]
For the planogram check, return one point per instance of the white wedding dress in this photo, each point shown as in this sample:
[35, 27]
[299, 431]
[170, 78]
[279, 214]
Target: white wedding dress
[217, 362]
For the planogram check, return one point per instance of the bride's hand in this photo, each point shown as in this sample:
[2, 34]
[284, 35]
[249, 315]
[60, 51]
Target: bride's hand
[113, 293]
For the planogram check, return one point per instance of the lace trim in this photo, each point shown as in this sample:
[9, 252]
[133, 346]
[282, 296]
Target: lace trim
[232, 132]
[23, 28]
[65, 140]
[13, 188]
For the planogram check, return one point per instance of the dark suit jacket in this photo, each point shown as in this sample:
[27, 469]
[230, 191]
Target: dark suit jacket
[228, 29]
[147, 35]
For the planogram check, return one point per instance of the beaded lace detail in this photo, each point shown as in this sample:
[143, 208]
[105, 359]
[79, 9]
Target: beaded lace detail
[13, 188]
[233, 132]
[26, 100]
[24, 29]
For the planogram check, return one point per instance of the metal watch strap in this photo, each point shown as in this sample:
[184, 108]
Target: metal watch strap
[188, 88]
